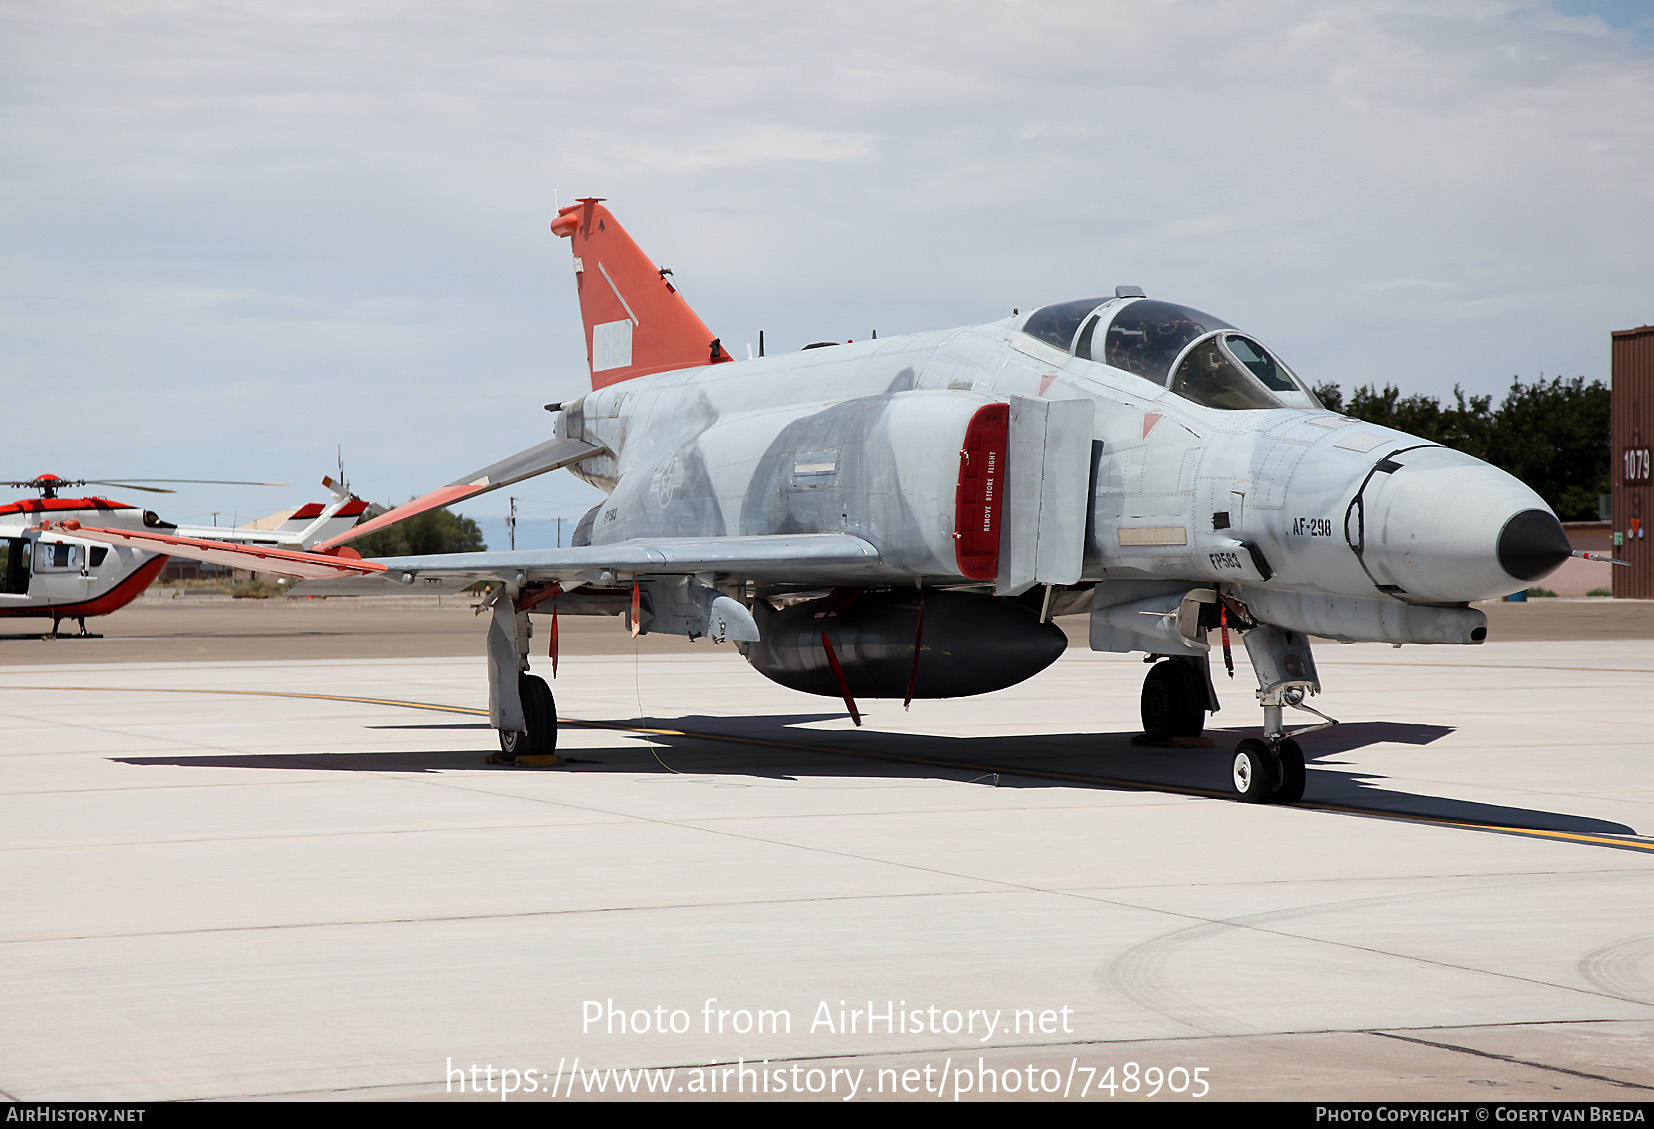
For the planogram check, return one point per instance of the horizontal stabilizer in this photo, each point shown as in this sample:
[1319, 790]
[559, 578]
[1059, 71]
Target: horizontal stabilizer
[313, 523]
[547, 456]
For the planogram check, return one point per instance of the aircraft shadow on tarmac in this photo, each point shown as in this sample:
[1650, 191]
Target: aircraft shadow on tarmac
[777, 748]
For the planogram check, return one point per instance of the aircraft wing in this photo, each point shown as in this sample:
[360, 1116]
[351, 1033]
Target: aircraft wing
[547, 456]
[804, 557]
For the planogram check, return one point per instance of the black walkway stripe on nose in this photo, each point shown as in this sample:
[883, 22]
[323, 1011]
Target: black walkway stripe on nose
[1358, 509]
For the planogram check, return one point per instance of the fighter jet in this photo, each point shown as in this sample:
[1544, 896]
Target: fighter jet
[903, 517]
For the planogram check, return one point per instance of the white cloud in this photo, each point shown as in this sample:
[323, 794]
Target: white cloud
[365, 189]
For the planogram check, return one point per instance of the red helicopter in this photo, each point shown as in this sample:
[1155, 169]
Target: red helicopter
[49, 573]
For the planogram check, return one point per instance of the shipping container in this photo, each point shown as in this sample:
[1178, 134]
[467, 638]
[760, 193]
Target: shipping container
[1632, 434]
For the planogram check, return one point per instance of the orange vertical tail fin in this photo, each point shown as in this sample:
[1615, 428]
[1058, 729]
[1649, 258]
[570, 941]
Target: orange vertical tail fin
[636, 321]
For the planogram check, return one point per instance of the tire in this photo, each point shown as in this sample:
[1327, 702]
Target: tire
[1173, 702]
[1289, 789]
[1193, 718]
[540, 714]
[1254, 771]
[539, 737]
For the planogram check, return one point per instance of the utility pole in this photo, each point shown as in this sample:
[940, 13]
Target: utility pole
[511, 524]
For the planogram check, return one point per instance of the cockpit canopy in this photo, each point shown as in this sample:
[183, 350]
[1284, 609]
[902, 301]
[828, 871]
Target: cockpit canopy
[1193, 354]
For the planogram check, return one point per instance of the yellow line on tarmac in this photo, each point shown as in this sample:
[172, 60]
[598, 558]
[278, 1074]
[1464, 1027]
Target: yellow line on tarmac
[1502, 828]
[1631, 844]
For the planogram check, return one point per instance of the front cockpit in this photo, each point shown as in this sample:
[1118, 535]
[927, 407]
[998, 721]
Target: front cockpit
[1190, 353]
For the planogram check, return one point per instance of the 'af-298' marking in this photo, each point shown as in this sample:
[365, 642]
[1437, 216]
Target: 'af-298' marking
[1311, 527]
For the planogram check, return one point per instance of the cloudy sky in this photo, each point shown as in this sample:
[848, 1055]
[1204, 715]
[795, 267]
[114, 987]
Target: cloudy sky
[240, 236]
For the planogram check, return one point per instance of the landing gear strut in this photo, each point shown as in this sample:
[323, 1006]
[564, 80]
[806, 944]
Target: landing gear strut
[1271, 771]
[520, 704]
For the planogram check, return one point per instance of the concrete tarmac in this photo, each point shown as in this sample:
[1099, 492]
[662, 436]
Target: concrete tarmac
[287, 873]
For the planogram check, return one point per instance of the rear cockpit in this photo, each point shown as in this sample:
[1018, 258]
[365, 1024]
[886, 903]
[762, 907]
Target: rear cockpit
[1193, 354]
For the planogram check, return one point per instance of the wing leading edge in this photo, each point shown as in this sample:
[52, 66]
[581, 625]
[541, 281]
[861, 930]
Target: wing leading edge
[805, 557]
[539, 459]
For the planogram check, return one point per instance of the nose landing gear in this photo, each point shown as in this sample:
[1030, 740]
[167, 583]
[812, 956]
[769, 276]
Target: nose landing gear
[1271, 771]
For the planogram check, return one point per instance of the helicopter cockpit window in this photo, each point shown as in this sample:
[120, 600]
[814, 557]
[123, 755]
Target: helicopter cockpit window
[1146, 337]
[1235, 373]
[1055, 325]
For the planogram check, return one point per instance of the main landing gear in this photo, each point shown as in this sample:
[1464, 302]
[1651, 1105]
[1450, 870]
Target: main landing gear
[1176, 696]
[520, 704]
[1175, 701]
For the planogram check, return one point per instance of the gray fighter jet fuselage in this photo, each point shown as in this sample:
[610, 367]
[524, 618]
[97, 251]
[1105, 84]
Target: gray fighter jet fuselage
[865, 439]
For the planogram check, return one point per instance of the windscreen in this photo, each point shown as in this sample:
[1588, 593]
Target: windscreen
[1235, 373]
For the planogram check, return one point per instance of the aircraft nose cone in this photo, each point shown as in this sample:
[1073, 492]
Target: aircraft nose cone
[1443, 527]
[1532, 544]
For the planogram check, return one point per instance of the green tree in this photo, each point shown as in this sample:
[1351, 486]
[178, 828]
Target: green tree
[1553, 434]
[434, 531]
[1465, 424]
[1330, 395]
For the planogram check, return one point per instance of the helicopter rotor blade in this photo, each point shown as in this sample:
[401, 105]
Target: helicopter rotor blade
[50, 483]
[128, 486]
[207, 481]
